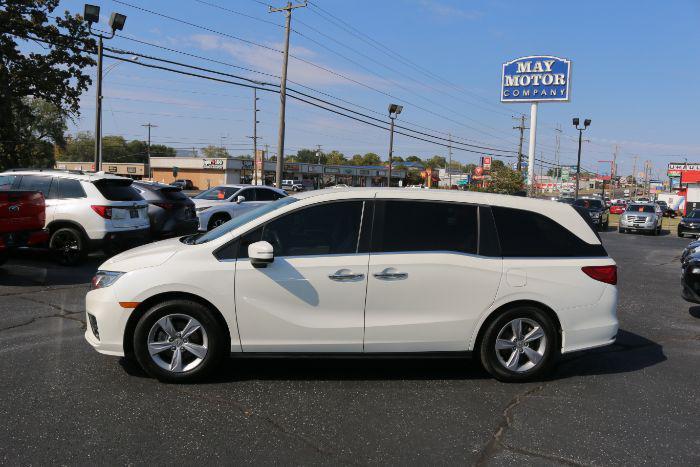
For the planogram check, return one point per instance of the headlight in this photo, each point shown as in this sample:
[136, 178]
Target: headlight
[595, 214]
[695, 271]
[104, 279]
[202, 209]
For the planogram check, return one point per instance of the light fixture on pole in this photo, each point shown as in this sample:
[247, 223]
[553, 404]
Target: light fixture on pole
[91, 13]
[394, 110]
[586, 124]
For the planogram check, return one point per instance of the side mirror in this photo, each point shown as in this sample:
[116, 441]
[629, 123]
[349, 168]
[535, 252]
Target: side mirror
[240, 199]
[261, 254]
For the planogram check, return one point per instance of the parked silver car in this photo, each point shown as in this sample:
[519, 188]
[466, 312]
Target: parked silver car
[641, 217]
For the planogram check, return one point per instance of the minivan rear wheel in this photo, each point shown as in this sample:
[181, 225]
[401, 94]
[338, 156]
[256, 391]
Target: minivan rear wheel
[179, 341]
[521, 344]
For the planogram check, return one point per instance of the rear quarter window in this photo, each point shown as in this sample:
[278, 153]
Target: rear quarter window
[118, 190]
[529, 234]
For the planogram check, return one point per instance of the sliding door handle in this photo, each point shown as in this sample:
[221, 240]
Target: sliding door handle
[344, 275]
[390, 274]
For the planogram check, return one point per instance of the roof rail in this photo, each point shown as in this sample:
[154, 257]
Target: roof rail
[77, 172]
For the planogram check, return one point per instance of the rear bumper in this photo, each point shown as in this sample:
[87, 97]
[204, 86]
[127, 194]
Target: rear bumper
[123, 240]
[176, 227]
[23, 239]
[590, 326]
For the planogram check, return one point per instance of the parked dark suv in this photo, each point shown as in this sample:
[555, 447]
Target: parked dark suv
[170, 211]
[597, 209]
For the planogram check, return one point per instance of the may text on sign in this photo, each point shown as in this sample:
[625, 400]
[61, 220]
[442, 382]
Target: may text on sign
[536, 79]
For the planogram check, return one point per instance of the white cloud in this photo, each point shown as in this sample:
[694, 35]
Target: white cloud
[444, 10]
[270, 61]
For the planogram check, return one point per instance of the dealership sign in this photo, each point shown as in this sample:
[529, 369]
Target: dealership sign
[536, 79]
[213, 164]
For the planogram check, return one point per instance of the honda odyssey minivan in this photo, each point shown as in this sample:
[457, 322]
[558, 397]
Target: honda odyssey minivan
[371, 271]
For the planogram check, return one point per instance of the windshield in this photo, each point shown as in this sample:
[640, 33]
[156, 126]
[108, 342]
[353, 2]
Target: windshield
[694, 214]
[589, 203]
[218, 193]
[238, 221]
[640, 208]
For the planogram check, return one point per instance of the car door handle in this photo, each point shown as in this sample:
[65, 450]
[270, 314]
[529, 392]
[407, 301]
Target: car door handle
[390, 274]
[344, 275]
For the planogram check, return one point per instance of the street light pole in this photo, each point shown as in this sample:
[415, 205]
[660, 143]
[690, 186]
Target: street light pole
[91, 13]
[586, 123]
[394, 110]
[283, 87]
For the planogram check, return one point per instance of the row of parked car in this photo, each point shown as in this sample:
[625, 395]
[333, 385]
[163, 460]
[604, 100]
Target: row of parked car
[74, 213]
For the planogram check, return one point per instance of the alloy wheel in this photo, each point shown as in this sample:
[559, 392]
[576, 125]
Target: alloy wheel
[66, 244]
[520, 345]
[178, 343]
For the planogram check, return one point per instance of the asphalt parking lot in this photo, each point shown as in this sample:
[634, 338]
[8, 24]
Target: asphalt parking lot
[631, 403]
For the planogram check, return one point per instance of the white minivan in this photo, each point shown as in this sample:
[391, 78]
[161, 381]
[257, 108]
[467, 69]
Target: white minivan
[367, 271]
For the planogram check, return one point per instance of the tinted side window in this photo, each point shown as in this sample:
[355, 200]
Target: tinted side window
[36, 183]
[529, 234]
[425, 226]
[263, 194]
[326, 229]
[6, 181]
[247, 193]
[69, 188]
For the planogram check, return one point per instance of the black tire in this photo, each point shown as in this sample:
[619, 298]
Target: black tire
[218, 219]
[621, 230]
[4, 256]
[492, 358]
[68, 246]
[606, 225]
[213, 338]
[681, 234]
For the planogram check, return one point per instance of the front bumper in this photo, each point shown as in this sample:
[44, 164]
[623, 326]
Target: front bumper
[647, 226]
[110, 320]
[689, 229]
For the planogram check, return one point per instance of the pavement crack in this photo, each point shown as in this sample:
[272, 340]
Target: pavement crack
[62, 313]
[549, 457]
[504, 424]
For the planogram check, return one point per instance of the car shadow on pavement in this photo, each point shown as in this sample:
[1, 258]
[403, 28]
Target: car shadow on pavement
[336, 369]
[35, 267]
[630, 352]
[694, 311]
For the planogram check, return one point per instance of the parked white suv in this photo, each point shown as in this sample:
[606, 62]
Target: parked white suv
[224, 202]
[85, 212]
[292, 185]
[516, 281]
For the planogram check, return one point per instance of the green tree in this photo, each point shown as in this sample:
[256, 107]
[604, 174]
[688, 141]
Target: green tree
[41, 127]
[371, 159]
[336, 158]
[55, 74]
[79, 148]
[436, 162]
[357, 159]
[414, 159]
[504, 179]
[214, 152]
[309, 156]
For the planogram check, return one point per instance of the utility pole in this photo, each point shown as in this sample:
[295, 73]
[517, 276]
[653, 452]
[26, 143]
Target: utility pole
[318, 152]
[634, 174]
[283, 86]
[255, 136]
[265, 154]
[449, 164]
[148, 148]
[318, 177]
[613, 172]
[557, 147]
[522, 129]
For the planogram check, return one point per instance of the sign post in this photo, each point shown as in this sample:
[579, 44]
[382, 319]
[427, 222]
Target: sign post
[538, 78]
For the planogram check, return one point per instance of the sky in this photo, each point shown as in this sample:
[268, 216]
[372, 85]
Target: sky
[634, 74]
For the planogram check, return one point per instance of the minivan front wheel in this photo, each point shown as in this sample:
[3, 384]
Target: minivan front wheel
[520, 345]
[178, 341]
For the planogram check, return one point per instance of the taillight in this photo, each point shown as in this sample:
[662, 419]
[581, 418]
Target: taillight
[165, 205]
[103, 211]
[607, 274]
